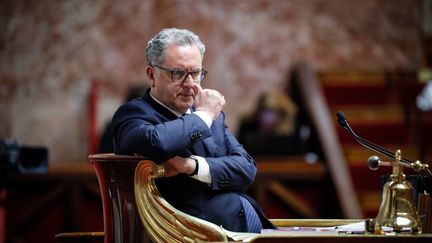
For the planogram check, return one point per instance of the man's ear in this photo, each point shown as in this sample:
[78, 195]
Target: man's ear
[150, 74]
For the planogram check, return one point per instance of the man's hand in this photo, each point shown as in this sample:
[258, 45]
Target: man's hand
[177, 165]
[209, 101]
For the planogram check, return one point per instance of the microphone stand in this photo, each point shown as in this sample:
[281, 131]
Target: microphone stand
[341, 119]
[343, 122]
[424, 200]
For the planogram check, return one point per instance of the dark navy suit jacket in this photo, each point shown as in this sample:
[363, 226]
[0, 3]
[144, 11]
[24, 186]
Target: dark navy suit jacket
[142, 126]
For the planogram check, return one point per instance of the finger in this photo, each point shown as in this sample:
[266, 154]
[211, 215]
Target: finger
[199, 88]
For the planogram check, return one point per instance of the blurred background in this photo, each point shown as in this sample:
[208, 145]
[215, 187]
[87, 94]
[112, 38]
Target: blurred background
[67, 65]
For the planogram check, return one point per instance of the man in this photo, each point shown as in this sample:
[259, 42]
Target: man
[181, 125]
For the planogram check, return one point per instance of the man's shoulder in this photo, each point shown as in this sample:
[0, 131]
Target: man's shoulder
[128, 110]
[138, 104]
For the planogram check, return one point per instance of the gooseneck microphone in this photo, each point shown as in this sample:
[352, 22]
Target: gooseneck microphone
[341, 119]
[374, 161]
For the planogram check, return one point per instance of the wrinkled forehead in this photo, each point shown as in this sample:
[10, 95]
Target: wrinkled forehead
[182, 56]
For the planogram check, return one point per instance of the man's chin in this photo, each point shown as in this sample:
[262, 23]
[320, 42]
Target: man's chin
[185, 105]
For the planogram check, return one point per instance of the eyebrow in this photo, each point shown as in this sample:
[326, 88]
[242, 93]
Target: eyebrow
[187, 70]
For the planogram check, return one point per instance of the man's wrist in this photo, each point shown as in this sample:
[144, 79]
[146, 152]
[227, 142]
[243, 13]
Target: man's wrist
[206, 117]
[195, 172]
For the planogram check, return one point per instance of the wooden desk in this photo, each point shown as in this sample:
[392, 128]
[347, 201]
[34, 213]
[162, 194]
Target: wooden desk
[98, 237]
[308, 237]
[344, 239]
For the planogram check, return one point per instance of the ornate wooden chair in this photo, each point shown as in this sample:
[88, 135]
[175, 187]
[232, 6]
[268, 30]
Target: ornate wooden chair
[134, 209]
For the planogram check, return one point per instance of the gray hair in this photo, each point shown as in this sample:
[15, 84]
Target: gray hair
[157, 45]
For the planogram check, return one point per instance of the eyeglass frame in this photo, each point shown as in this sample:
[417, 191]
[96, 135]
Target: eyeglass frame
[172, 70]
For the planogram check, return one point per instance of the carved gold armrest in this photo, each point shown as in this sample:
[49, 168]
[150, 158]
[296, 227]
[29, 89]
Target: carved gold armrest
[162, 221]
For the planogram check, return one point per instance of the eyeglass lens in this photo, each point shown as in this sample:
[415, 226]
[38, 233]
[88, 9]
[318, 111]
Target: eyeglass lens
[179, 75]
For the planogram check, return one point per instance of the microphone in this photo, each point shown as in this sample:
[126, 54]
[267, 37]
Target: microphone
[373, 162]
[341, 119]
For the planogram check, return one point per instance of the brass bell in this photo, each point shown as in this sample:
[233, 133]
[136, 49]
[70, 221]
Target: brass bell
[397, 209]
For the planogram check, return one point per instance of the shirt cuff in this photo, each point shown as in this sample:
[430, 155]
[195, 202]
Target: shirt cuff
[205, 117]
[203, 171]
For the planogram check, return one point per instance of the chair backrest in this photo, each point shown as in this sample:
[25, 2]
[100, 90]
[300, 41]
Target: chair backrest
[133, 206]
[115, 174]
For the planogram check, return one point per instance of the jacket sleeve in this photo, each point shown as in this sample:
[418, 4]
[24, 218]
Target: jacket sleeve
[231, 167]
[138, 130]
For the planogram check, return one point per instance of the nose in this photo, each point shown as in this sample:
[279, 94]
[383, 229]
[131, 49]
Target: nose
[188, 80]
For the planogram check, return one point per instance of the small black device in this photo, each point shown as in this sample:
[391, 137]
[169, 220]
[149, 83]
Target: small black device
[16, 158]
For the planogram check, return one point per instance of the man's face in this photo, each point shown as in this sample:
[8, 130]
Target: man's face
[178, 96]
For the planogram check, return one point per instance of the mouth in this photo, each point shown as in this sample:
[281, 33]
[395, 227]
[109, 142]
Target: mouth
[186, 96]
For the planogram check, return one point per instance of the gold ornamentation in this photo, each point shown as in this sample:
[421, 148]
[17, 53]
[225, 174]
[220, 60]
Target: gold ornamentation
[162, 221]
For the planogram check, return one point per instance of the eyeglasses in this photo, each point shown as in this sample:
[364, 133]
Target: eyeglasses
[180, 75]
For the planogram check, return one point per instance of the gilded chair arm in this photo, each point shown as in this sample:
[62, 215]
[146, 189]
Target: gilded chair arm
[162, 221]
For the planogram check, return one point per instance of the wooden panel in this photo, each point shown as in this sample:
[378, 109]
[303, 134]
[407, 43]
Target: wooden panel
[323, 122]
[287, 168]
[66, 199]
